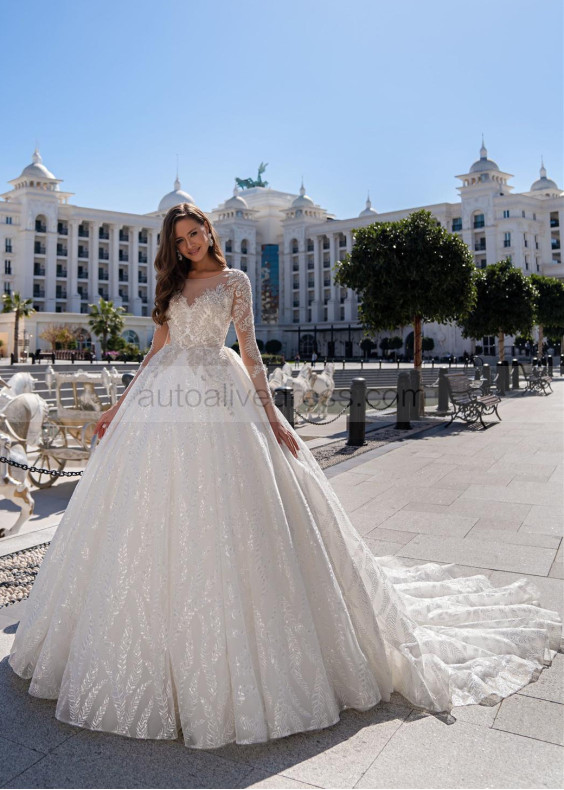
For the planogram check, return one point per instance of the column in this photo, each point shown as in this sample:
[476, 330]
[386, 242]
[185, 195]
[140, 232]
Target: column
[50, 264]
[317, 305]
[302, 263]
[350, 300]
[333, 307]
[135, 302]
[93, 266]
[73, 299]
[113, 265]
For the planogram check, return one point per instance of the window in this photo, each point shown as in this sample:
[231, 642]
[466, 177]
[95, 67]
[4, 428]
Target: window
[523, 213]
[7, 267]
[489, 346]
[8, 220]
[536, 242]
[506, 214]
[456, 224]
[8, 245]
[538, 268]
[479, 221]
[7, 288]
[525, 242]
[507, 239]
[534, 216]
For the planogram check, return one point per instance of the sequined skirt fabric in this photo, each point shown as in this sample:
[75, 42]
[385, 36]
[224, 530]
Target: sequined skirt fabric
[206, 584]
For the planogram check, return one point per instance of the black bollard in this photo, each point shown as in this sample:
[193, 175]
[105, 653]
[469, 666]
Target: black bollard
[515, 374]
[403, 402]
[487, 376]
[550, 364]
[500, 379]
[442, 407]
[356, 421]
[415, 394]
[505, 373]
[284, 400]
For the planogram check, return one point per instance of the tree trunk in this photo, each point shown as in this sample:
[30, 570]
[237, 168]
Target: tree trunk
[501, 345]
[16, 337]
[418, 360]
[540, 343]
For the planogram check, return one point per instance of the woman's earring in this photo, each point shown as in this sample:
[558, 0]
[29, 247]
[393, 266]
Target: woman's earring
[211, 241]
[179, 256]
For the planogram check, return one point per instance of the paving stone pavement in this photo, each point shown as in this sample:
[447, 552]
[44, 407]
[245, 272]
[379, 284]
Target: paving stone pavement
[490, 501]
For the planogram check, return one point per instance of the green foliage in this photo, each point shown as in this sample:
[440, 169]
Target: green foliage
[106, 321]
[428, 344]
[413, 267]
[273, 346]
[549, 304]
[235, 347]
[13, 303]
[505, 302]
[260, 345]
[395, 343]
[272, 359]
[385, 343]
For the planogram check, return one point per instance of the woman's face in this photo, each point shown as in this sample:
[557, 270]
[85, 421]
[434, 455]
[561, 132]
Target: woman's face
[192, 239]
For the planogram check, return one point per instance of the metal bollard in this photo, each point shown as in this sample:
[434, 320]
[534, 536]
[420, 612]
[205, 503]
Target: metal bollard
[487, 376]
[403, 405]
[515, 374]
[500, 379]
[284, 400]
[356, 420]
[442, 407]
[126, 379]
[415, 395]
[550, 364]
[505, 374]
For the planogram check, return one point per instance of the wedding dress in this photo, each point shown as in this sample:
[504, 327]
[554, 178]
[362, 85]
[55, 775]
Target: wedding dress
[203, 579]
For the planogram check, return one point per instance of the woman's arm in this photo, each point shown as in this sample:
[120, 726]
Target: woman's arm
[242, 314]
[160, 338]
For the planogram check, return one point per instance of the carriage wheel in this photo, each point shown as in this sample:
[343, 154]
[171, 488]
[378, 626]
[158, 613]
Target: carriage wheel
[45, 460]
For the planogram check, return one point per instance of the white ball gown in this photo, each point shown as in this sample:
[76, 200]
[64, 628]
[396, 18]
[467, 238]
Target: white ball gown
[203, 581]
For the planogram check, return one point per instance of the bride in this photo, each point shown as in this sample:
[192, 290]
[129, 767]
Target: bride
[205, 578]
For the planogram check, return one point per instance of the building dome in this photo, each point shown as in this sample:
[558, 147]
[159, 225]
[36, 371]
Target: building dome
[368, 211]
[483, 163]
[236, 202]
[302, 200]
[543, 183]
[37, 169]
[175, 198]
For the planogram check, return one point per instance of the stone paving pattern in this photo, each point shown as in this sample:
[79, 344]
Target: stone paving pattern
[491, 502]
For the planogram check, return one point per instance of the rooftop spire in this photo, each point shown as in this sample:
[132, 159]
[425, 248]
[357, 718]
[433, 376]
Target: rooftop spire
[483, 149]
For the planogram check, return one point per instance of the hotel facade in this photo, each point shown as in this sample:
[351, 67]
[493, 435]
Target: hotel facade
[64, 256]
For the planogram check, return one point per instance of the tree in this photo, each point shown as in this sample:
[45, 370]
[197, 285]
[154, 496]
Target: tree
[428, 344]
[408, 272]
[13, 303]
[549, 307]
[106, 321]
[59, 335]
[273, 346]
[505, 302]
[366, 345]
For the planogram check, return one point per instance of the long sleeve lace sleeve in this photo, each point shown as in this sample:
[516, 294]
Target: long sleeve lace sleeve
[242, 315]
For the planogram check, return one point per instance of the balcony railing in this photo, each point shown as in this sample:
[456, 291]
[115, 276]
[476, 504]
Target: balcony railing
[507, 242]
[62, 230]
[310, 283]
[40, 228]
[123, 236]
[554, 223]
[123, 278]
[103, 255]
[83, 233]
[296, 302]
[144, 300]
[142, 258]
[141, 278]
[38, 249]
[82, 274]
[103, 234]
[554, 244]
[480, 245]
[479, 223]
[61, 272]
[342, 242]
[104, 294]
[82, 253]
[8, 247]
[103, 276]
[61, 295]
[38, 271]
[38, 294]
[143, 239]
[62, 252]
[83, 296]
[123, 256]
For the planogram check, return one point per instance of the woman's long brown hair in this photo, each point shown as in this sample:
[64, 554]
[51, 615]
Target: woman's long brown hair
[171, 272]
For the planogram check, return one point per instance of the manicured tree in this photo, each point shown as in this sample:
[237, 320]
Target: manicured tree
[505, 303]
[273, 346]
[106, 321]
[366, 344]
[428, 344]
[13, 303]
[549, 307]
[407, 272]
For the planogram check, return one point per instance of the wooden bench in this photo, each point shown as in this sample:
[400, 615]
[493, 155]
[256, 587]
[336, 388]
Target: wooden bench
[536, 379]
[467, 403]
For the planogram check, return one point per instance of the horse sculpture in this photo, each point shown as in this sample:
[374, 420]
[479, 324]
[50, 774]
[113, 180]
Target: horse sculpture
[13, 483]
[311, 389]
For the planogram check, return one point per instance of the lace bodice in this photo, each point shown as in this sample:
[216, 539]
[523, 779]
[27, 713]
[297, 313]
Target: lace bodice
[199, 318]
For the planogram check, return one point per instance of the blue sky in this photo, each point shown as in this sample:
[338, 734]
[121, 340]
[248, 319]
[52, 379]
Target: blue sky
[387, 96]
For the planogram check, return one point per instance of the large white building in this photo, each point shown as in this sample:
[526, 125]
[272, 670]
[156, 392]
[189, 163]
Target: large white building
[65, 256]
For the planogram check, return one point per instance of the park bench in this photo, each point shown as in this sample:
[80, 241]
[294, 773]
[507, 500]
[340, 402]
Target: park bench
[467, 403]
[536, 379]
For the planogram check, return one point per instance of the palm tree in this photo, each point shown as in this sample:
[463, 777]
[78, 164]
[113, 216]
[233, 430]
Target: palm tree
[13, 303]
[106, 320]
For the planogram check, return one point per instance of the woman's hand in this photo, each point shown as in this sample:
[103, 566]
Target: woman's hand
[284, 435]
[104, 421]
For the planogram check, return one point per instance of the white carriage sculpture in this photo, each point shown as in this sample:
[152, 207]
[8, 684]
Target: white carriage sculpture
[68, 432]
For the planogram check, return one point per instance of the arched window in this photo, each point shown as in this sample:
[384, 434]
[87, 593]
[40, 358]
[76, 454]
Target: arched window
[244, 247]
[131, 337]
[307, 346]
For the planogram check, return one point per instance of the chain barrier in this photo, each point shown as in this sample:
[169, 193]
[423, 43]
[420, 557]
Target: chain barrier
[38, 470]
[385, 406]
[325, 422]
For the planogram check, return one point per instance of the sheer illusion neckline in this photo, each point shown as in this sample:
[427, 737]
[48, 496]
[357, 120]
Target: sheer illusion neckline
[192, 279]
[204, 291]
